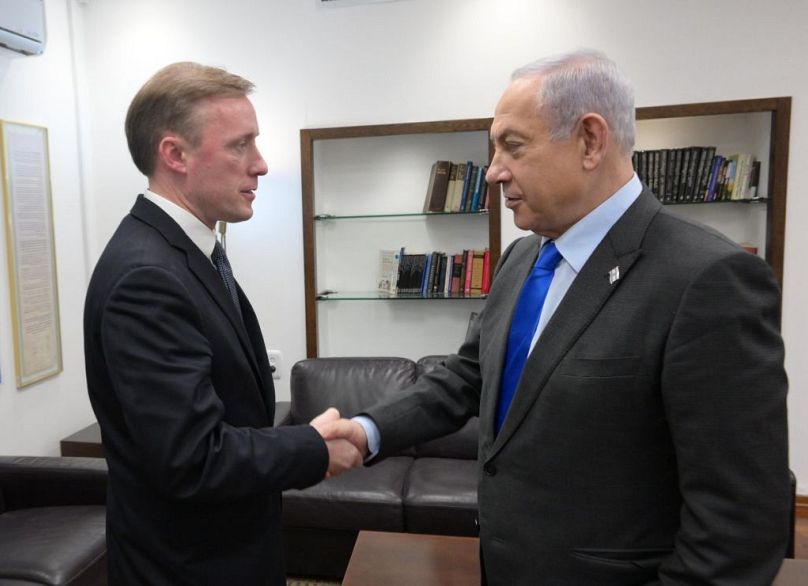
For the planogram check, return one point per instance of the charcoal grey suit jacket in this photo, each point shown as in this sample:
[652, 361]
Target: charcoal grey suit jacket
[647, 441]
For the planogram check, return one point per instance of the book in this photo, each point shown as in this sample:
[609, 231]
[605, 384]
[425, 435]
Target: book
[486, 272]
[754, 179]
[423, 289]
[437, 187]
[705, 168]
[712, 182]
[484, 189]
[465, 192]
[457, 274]
[469, 266]
[743, 175]
[450, 188]
[440, 278]
[476, 273]
[388, 271]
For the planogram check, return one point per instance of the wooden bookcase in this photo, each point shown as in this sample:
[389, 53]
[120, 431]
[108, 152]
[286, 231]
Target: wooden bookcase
[733, 125]
[371, 181]
[331, 156]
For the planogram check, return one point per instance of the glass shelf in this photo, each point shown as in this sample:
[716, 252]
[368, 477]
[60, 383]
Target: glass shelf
[381, 296]
[325, 217]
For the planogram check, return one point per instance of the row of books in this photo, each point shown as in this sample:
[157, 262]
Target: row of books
[697, 174]
[456, 187]
[435, 274]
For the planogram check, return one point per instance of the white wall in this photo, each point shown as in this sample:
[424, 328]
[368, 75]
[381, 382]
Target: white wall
[400, 61]
[40, 90]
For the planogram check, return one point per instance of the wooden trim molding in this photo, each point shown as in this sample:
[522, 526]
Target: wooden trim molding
[802, 505]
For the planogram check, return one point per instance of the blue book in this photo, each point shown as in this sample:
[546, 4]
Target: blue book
[478, 188]
[464, 195]
[425, 275]
[718, 160]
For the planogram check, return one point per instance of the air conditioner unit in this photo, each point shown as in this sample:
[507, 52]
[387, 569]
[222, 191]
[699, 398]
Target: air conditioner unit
[22, 26]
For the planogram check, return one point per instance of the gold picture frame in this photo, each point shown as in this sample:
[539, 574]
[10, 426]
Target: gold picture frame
[31, 251]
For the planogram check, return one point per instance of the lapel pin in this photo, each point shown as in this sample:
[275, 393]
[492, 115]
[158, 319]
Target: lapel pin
[614, 275]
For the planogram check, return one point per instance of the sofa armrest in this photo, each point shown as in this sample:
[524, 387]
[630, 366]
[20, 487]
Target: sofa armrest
[28, 481]
[283, 413]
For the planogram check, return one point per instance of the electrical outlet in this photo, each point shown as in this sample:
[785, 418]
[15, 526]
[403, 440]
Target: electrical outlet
[275, 363]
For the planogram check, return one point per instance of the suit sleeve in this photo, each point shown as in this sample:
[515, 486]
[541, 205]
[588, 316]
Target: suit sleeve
[441, 401]
[159, 359]
[724, 389]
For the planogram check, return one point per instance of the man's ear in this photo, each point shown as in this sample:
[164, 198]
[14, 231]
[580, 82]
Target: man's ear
[171, 153]
[594, 135]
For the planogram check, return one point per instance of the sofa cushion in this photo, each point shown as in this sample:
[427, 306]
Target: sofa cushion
[441, 497]
[53, 545]
[363, 498]
[349, 384]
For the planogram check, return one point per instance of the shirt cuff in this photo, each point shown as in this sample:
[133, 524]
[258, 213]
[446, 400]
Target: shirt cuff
[372, 431]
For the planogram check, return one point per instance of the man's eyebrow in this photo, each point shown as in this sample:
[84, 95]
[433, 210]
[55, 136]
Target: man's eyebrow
[506, 133]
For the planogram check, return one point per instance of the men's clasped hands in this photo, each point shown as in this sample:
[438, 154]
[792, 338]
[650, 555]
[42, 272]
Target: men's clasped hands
[346, 441]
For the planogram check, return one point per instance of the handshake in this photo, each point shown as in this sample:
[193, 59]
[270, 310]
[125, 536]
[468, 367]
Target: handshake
[346, 441]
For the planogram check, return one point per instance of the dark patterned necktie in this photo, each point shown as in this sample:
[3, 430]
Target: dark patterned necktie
[525, 320]
[222, 265]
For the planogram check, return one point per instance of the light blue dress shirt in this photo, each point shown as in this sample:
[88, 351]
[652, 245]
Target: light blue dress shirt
[576, 245]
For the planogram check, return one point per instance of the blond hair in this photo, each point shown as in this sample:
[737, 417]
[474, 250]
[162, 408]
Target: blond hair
[167, 103]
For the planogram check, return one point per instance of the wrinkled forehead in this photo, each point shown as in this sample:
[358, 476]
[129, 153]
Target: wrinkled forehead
[517, 108]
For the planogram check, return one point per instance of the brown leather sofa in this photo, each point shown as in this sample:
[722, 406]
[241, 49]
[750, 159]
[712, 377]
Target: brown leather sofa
[52, 521]
[430, 488]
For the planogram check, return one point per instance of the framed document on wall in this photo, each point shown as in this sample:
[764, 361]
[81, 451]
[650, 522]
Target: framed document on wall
[31, 252]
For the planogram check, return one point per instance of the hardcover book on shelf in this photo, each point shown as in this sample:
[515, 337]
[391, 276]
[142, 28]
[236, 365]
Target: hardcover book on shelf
[457, 275]
[743, 176]
[465, 191]
[754, 179]
[486, 271]
[451, 188]
[476, 273]
[712, 181]
[468, 266]
[437, 187]
[705, 167]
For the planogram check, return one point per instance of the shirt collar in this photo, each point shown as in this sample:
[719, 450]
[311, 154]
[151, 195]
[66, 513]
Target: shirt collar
[199, 233]
[578, 243]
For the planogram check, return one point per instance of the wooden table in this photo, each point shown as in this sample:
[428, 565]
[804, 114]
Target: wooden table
[404, 559]
[85, 442]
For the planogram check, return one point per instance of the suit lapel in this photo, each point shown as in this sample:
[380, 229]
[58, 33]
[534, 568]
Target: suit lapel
[201, 267]
[514, 268]
[589, 292]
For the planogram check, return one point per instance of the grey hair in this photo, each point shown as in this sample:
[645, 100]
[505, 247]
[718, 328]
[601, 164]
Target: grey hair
[580, 82]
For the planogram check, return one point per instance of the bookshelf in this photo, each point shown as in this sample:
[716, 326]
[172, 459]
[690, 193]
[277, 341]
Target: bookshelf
[370, 182]
[363, 190]
[757, 126]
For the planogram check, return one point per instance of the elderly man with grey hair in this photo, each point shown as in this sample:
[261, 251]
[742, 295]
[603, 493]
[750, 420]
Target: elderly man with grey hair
[627, 368]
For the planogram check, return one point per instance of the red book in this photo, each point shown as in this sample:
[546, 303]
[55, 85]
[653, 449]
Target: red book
[486, 271]
[469, 263]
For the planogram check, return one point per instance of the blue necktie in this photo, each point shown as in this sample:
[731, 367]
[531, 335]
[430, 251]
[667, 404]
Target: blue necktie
[525, 320]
